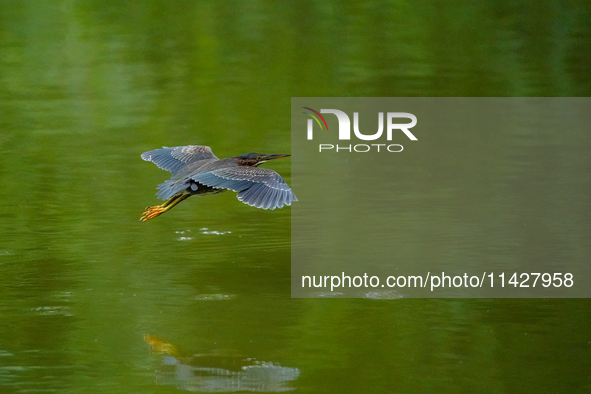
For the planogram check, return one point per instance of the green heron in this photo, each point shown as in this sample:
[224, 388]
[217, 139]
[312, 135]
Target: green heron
[197, 171]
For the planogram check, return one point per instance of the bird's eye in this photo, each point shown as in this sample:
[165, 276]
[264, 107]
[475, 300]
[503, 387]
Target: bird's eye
[259, 158]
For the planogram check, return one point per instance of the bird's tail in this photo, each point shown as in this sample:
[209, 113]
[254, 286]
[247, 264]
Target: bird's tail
[171, 187]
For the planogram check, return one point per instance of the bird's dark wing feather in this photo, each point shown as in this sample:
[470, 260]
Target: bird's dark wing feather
[257, 187]
[173, 159]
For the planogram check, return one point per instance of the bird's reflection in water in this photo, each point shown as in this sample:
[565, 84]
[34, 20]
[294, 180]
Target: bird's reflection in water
[209, 373]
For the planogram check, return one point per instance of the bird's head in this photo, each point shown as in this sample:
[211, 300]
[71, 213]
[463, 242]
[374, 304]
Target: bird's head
[255, 159]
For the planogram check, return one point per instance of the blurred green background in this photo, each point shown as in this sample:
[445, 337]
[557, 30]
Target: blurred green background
[87, 86]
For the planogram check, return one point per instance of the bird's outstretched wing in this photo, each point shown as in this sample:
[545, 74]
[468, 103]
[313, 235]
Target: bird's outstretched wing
[257, 187]
[173, 159]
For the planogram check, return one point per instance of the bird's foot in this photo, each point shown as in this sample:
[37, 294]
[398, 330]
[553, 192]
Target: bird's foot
[157, 210]
[152, 212]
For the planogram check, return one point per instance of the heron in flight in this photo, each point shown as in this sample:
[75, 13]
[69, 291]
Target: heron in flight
[197, 171]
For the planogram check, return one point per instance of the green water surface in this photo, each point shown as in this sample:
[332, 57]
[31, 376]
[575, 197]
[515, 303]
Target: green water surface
[87, 86]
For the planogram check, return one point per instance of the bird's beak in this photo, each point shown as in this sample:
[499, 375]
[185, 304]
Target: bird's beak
[272, 157]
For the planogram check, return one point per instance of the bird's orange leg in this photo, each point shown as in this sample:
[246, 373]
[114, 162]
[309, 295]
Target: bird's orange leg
[152, 212]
